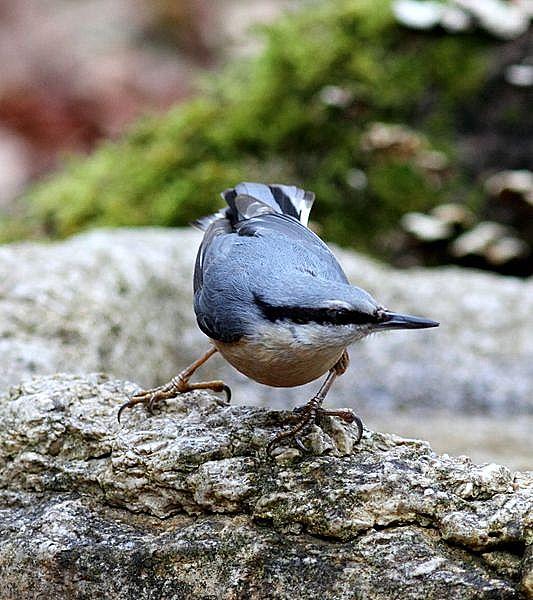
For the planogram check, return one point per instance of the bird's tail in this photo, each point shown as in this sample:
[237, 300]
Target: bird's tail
[247, 200]
[250, 199]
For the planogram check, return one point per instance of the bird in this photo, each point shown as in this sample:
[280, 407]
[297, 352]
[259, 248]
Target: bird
[276, 304]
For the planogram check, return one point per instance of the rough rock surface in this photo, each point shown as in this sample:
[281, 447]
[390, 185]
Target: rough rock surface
[120, 301]
[185, 504]
[112, 301]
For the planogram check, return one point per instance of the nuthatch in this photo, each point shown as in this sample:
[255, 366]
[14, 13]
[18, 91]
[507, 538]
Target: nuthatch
[275, 302]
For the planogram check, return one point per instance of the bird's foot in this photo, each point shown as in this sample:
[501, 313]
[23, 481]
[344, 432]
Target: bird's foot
[177, 385]
[307, 416]
[345, 415]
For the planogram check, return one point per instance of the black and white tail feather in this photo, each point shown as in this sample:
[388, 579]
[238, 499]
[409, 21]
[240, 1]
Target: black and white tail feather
[247, 200]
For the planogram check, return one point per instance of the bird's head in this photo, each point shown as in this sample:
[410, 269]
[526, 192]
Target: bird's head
[332, 311]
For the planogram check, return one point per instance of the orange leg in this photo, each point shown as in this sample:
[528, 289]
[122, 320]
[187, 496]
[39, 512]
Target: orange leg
[309, 413]
[178, 385]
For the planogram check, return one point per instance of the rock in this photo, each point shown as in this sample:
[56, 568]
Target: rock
[496, 243]
[403, 143]
[432, 161]
[512, 184]
[186, 504]
[116, 301]
[510, 202]
[426, 228]
[120, 301]
[455, 19]
[450, 233]
[394, 140]
[502, 19]
[506, 20]
[455, 215]
[519, 75]
[416, 14]
[334, 95]
[356, 179]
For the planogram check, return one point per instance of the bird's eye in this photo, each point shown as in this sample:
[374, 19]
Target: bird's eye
[336, 315]
[299, 320]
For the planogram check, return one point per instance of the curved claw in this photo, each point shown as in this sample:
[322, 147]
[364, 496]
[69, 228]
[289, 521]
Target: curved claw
[270, 446]
[227, 390]
[120, 410]
[144, 397]
[300, 445]
[359, 425]
[148, 397]
[347, 416]
[127, 404]
[274, 443]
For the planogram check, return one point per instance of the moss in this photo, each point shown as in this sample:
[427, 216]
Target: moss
[265, 119]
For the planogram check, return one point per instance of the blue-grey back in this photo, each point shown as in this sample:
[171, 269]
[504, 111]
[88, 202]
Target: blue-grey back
[272, 256]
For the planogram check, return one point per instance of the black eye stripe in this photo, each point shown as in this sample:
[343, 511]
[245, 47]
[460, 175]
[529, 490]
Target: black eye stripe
[322, 316]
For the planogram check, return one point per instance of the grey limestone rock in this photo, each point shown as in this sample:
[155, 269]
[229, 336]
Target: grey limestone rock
[115, 301]
[185, 503]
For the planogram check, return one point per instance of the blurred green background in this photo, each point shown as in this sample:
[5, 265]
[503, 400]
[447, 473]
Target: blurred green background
[410, 120]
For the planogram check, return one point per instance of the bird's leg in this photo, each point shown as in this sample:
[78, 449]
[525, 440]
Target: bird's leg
[309, 413]
[178, 385]
[346, 415]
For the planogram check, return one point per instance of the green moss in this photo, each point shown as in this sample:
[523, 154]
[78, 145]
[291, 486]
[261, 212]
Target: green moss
[264, 120]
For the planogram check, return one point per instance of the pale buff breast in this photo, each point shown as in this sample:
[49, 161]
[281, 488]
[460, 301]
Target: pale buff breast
[278, 359]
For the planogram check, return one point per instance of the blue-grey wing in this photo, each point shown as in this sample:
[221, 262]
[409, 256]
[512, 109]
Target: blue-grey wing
[216, 300]
[222, 294]
[217, 229]
[302, 248]
[307, 251]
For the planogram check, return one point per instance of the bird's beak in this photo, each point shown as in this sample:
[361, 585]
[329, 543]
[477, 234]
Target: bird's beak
[397, 321]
